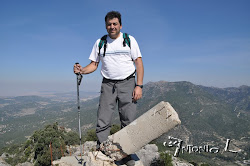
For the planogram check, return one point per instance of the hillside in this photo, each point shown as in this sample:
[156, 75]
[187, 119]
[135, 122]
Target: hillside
[21, 116]
[209, 116]
[202, 110]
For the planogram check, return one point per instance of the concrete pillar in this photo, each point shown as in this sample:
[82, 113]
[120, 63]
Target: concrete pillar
[149, 126]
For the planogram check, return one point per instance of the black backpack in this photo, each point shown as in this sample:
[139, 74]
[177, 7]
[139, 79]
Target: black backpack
[103, 41]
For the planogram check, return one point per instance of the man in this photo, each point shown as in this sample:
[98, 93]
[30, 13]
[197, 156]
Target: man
[118, 71]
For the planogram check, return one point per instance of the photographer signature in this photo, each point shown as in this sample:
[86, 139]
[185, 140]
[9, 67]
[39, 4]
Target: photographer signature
[178, 143]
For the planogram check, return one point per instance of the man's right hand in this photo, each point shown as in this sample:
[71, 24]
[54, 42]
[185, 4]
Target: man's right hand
[87, 69]
[77, 68]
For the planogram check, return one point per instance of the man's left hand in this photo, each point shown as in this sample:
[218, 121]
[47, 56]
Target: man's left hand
[137, 94]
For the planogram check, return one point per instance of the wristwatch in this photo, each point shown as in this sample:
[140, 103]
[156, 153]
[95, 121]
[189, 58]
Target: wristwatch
[141, 86]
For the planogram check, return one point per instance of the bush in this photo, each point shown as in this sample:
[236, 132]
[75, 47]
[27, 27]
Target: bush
[194, 163]
[42, 139]
[38, 146]
[205, 164]
[71, 138]
[91, 135]
[114, 129]
[166, 158]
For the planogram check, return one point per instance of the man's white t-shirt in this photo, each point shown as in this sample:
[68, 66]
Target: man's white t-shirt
[118, 62]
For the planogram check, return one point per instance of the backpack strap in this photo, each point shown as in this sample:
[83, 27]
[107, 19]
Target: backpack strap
[126, 40]
[102, 42]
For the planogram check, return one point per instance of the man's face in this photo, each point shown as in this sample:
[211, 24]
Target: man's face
[113, 28]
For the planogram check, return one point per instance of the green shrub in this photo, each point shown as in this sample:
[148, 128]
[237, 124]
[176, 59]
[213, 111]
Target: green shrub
[167, 158]
[71, 138]
[194, 163]
[114, 129]
[204, 164]
[91, 135]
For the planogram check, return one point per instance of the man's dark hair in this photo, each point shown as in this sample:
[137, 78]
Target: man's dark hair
[113, 14]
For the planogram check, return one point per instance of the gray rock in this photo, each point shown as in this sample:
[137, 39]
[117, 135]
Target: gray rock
[25, 164]
[148, 153]
[2, 162]
[89, 146]
[177, 162]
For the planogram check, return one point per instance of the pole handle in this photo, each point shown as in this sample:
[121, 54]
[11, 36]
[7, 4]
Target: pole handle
[79, 76]
[79, 72]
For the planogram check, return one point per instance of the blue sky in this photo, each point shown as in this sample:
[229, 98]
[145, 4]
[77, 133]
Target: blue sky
[206, 42]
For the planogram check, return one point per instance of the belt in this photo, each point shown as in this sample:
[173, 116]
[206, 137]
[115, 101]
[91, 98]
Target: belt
[116, 81]
[131, 76]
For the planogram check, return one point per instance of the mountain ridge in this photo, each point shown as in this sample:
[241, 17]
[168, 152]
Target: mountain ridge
[209, 115]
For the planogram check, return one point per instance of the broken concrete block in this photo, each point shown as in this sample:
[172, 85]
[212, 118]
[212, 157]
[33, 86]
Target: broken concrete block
[149, 126]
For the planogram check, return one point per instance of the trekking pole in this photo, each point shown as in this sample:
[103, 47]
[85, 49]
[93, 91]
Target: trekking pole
[78, 80]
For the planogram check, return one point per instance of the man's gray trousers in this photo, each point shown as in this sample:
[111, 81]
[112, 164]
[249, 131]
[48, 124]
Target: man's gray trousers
[113, 92]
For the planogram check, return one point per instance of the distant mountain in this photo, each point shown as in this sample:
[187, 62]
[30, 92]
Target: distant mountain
[209, 115]
[236, 96]
[69, 96]
[203, 110]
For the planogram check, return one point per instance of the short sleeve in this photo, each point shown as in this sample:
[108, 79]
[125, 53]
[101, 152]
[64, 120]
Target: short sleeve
[94, 53]
[135, 50]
